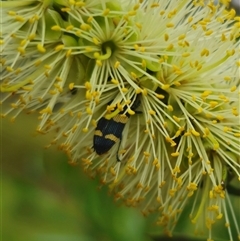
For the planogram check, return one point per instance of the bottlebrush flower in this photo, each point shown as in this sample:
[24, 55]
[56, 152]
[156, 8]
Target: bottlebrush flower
[81, 62]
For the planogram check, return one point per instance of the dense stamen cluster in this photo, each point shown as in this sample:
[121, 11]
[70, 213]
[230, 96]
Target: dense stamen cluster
[75, 62]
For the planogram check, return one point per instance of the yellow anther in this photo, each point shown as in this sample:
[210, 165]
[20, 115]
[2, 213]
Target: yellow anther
[96, 55]
[132, 13]
[176, 118]
[27, 88]
[175, 154]
[95, 41]
[146, 154]
[138, 91]
[71, 86]
[51, 92]
[78, 33]
[144, 92]
[154, 5]
[208, 32]
[182, 36]
[219, 216]
[186, 54]
[14, 105]
[71, 2]
[23, 42]
[134, 76]
[176, 68]
[230, 52]
[170, 108]
[47, 66]
[47, 110]
[9, 69]
[203, 22]
[80, 4]
[12, 13]
[65, 9]
[195, 133]
[177, 83]
[220, 117]
[18, 70]
[169, 25]
[41, 49]
[120, 107]
[114, 81]
[59, 47]
[38, 62]
[69, 52]
[223, 37]
[88, 85]
[110, 108]
[204, 52]
[165, 87]
[136, 46]
[85, 129]
[130, 112]
[69, 27]
[79, 115]
[152, 112]
[233, 88]
[213, 104]
[226, 129]
[106, 12]
[170, 140]
[117, 64]
[234, 111]
[170, 47]
[89, 110]
[159, 96]
[58, 79]
[85, 27]
[190, 19]
[206, 93]
[19, 18]
[56, 28]
[162, 12]
[138, 25]
[99, 62]
[166, 37]
[227, 78]
[176, 169]
[206, 131]
[124, 90]
[31, 36]
[88, 95]
[192, 186]
[136, 6]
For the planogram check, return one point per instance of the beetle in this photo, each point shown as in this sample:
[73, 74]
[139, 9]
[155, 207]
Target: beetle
[109, 129]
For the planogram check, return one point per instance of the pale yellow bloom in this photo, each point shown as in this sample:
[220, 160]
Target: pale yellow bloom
[75, 62]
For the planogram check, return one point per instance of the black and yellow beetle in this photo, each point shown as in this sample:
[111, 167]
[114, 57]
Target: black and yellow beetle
[109, 129]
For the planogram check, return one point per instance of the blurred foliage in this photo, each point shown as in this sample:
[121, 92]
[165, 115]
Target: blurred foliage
[44, 198]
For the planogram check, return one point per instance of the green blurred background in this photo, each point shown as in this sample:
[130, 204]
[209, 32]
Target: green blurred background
[43, 198]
